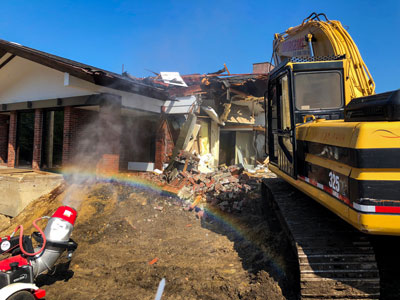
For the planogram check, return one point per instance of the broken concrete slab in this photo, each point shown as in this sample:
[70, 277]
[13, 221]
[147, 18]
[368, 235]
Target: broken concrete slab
[19, 187]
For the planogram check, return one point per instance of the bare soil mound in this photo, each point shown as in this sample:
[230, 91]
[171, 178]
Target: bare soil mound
[130, 239]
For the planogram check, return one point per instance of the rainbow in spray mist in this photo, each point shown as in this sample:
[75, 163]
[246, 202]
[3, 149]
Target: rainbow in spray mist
[134, 181]
[237, 230]
[227, 222]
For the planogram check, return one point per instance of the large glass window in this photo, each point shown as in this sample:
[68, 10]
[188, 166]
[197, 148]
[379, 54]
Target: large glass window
[322, 90]
[53, 133]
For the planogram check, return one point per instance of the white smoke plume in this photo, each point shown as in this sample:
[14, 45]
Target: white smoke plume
[99, 135]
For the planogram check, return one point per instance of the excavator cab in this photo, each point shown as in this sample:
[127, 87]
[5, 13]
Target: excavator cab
[300, 92]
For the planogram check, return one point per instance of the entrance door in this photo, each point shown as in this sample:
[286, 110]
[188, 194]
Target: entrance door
[227, 142]
[281, 129]
[25, 133]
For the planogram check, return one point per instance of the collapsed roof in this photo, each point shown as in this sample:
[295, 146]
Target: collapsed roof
[213, 85]
[218, 86]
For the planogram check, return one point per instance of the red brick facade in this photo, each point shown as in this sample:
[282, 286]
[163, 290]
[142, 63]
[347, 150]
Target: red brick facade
[262, 68]
[109, 163]
[164, 144]
[12, 139]
[76, 122]
[92, 140]
[110, 128]
[37, 140]
[68, 135]
[4, 120]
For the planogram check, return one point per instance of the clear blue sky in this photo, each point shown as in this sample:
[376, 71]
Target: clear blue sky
[194, 36]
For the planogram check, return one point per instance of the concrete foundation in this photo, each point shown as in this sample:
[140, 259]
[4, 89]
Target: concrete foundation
[19, 187]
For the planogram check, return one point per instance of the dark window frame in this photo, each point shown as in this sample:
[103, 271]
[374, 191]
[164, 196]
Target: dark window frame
[341, 82]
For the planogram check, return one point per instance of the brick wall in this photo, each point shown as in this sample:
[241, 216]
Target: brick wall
[12, 139]
[92, 139]
[108, 164]
[37, 139]
[264, 67]
[84, 119]
[110, 127]
[4, 128]
[164, 144]
[76, 123]
[70, 121]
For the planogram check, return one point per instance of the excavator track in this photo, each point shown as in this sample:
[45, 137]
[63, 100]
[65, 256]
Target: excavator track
[335, 260]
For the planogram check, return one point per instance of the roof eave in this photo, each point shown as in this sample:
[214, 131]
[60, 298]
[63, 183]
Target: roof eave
[98, 77]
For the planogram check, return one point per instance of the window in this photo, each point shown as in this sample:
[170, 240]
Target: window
[322, 90]
[285, 104]
[285, 116]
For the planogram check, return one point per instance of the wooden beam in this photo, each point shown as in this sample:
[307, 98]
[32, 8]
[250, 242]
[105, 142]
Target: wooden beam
[7, 61]
[214, 143]
[2, 53]
[244, 127]
[183, 139]
[239, 92]
[193, 138]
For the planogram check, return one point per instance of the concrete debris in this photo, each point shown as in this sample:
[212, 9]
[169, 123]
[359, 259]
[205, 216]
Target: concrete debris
[205, 163]
[228, 189]
[157, 171]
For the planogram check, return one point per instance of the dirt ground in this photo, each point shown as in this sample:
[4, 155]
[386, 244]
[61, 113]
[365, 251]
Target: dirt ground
[129, 239]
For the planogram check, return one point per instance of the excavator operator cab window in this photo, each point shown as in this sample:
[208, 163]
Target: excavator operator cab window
[318, 90]
[280, 136]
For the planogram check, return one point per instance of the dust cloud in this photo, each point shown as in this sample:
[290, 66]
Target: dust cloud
[98, 137]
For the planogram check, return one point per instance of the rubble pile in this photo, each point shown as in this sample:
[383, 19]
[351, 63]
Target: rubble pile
[231, 189]
[155, 178]
[228, 188]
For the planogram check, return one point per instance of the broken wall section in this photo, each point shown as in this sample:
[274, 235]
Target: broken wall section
[230, 122]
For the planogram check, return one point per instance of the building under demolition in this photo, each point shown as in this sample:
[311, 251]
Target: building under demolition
[56, 112]
[227, 126]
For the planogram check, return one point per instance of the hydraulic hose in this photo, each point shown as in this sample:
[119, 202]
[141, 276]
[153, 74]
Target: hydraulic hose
[361, 82]
[21, 237]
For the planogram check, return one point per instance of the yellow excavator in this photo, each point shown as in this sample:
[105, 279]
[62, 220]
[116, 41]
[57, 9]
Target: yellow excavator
[331, 137]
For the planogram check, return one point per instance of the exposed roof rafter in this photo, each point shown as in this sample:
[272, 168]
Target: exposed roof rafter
[7, 61]
[2, 53]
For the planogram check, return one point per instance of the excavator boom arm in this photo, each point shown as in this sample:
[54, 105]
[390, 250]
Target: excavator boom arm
[317, 38]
